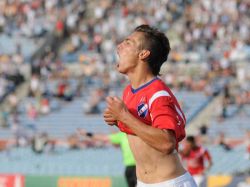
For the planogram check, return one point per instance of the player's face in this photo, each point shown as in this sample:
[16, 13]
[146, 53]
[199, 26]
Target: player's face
[128, 51]
[188, 145]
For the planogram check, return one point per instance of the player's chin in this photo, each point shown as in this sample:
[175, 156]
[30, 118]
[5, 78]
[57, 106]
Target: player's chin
[112, 123]
[119, 68]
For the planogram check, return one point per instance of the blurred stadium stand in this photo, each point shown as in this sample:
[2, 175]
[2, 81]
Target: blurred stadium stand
[73, 45]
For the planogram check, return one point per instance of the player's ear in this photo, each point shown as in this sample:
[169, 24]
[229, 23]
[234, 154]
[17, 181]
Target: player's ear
[144, 54]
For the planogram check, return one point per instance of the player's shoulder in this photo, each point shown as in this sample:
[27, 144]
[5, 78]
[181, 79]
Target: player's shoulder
[158, 87]
[202, 149]
[127, 88]
[158, 83]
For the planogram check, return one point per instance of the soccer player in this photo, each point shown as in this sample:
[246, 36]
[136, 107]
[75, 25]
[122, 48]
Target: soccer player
[120, 139]
[149, 112]
[195, 157]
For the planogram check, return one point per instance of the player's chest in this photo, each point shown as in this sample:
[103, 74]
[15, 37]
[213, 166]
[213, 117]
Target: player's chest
[138, 105]
[196, 155]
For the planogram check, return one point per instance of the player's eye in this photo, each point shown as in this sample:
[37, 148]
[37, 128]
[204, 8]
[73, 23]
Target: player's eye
[127, 41]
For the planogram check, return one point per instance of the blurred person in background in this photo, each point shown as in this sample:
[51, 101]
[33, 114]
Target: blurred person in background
[117, 139]
[247, 143]
[31, 111]
[196, 156]
[92, 106]
[44, 106]
[13, 103]
[34, 85]
[221, 141]
[39, 142]
[73, 142]
[203, 134]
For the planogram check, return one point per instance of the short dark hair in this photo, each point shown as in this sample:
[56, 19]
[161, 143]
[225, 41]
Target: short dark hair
[191, 139]
[158, 45]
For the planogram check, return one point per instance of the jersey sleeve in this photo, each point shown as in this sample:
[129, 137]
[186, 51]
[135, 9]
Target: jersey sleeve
[164, 115]
[115, 138]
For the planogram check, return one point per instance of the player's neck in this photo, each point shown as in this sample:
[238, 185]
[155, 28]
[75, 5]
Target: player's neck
[195, 147]
[138, 79]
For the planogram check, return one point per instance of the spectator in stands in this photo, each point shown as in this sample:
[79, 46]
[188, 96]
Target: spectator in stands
[21, 138]
[44, 106]
[60, 28]
[92, 107]
[195, 157]
[203, 137]
[203, 129]
[247, 143]
[68, 93]
[3, 84]
[224, 113]
[34, 85]
[221, 141]
[61, 89]
[74, 142]
[3, 145]
[79, 87]
[31, 111]
[71, 142]
[121, 140]
[226, 93]
[64, 90]
[39, 142]
[13, 103]
[5, 115]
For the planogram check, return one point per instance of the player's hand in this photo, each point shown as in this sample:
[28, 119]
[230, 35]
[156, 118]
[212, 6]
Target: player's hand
[116, 107]
[108, 117]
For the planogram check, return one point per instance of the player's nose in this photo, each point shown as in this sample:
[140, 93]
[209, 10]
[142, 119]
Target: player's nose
[119, 46]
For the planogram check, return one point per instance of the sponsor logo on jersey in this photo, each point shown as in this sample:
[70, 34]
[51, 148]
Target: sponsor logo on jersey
[142, 110]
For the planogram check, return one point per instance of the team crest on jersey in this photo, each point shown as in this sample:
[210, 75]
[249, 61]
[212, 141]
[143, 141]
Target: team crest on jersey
[142, 110]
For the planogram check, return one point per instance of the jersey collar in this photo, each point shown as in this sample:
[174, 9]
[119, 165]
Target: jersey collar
[143, 86]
